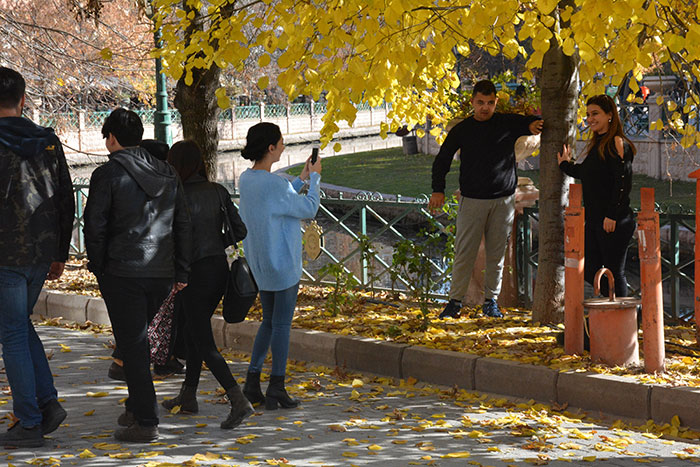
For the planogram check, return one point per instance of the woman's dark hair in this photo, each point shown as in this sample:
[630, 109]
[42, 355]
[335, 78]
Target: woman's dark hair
[606, 143]
[186, 158]
[124, 125]
[259, 139]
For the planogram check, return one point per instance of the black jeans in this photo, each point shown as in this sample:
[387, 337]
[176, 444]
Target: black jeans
[199, 299]
[608, 250]
[130, 302]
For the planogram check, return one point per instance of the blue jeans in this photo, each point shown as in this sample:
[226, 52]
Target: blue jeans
[26, 365]
[278, 310]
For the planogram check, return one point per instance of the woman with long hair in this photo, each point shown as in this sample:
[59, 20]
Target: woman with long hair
[272, 209]
[606, 178]
[208, 202]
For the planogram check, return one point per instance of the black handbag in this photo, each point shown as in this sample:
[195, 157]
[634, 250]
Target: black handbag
[229, 237]
[241, 288]
[241, 291]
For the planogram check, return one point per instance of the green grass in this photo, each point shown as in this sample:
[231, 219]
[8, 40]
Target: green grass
[386, 171]
[389, 171]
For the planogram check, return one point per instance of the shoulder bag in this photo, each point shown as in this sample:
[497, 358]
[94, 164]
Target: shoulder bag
[241, 289]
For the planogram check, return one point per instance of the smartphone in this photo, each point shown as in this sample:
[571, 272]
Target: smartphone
[314, 155]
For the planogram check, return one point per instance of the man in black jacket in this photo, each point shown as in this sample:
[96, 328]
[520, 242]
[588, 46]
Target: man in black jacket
[36, 221]
[138, 240]
[487, 182]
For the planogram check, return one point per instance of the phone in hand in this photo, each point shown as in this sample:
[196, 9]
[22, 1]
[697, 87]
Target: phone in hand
[314, 155]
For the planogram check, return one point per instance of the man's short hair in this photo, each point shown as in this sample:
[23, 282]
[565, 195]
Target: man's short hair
[485, 87]
[12, 88]
[125, 125]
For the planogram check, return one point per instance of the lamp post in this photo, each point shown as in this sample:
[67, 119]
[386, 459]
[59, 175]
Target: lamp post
[161, 120]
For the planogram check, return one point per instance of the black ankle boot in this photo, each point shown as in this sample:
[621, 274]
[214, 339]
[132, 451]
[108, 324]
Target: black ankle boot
[186, 399]
[240, 408]
[277, 394]
[252, 390]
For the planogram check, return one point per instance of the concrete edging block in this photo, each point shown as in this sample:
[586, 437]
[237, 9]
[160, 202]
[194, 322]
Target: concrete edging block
[439, 366]
[67, 306]
[371, 355]
[218, 328]
[96, 311]
[313, 346]
[240, 336]
[623, 397]
[682, 401]
[515, 379]
[40, 305]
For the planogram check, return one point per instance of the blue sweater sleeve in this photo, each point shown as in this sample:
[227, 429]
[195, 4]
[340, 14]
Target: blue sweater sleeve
[302, 206]
[298, 184]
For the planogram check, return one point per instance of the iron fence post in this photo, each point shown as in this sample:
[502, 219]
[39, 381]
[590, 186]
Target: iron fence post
[675, 257]
[363, 231]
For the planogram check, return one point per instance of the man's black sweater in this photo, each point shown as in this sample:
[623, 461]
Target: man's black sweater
[487, 168]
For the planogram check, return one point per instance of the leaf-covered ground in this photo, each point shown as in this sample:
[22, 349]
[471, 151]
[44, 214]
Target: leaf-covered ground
[513, 338]
[345, 419]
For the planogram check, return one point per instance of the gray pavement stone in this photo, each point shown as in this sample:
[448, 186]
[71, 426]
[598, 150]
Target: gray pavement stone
[70, 307]
[605, 393]
[371, 355]
[344, 420]
[313, 346]
[97, 311]
[516, 379]
[439, 366]
[668, 402]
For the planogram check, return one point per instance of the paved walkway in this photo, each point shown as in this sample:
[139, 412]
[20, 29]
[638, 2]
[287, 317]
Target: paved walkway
[344, 420]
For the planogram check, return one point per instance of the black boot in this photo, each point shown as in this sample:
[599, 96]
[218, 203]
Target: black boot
[277, 394]
[252, 390]
[186, 399]
[240, 408]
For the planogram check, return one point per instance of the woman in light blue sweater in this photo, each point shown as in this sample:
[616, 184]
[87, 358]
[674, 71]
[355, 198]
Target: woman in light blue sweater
[272, 209]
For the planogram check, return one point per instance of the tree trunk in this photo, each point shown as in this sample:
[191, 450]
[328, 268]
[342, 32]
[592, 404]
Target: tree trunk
[559, 84]
[200, 114]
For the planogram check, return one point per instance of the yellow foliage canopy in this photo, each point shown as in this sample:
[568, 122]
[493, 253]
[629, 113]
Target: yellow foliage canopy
[402, 51]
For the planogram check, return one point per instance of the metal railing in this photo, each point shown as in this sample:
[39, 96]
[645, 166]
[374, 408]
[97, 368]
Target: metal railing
[382, 223]
[345, 221]
[677, 268]
[95, 119]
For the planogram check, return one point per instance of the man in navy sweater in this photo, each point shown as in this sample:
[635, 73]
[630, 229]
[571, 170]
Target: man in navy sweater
[487, 182]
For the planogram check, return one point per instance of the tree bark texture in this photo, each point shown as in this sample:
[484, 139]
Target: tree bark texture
[559, 85]
[200, 114]
[197, 102]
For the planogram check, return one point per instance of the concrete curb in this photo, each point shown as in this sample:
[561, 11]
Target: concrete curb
[612, 395]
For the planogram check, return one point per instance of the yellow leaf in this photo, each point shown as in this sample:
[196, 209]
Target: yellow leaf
[65, 348]
[263, 82]
[86, 454]
[97, 394]
[89, 412]
[374, 447]
[106, 53]
[349, 454]
[337, 147]
[357, 383]
[457, 455]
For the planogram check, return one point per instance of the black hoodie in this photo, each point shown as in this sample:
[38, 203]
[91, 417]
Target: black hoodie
[36, 195]
[136, 219]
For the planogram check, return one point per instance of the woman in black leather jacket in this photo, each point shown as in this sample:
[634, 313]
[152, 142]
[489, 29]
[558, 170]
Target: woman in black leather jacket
[207, 281]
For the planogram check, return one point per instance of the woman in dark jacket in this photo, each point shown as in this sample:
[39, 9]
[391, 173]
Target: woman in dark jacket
[207, 281]
[606, 178]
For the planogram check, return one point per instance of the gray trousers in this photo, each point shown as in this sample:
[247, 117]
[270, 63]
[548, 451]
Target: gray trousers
[491, 219]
